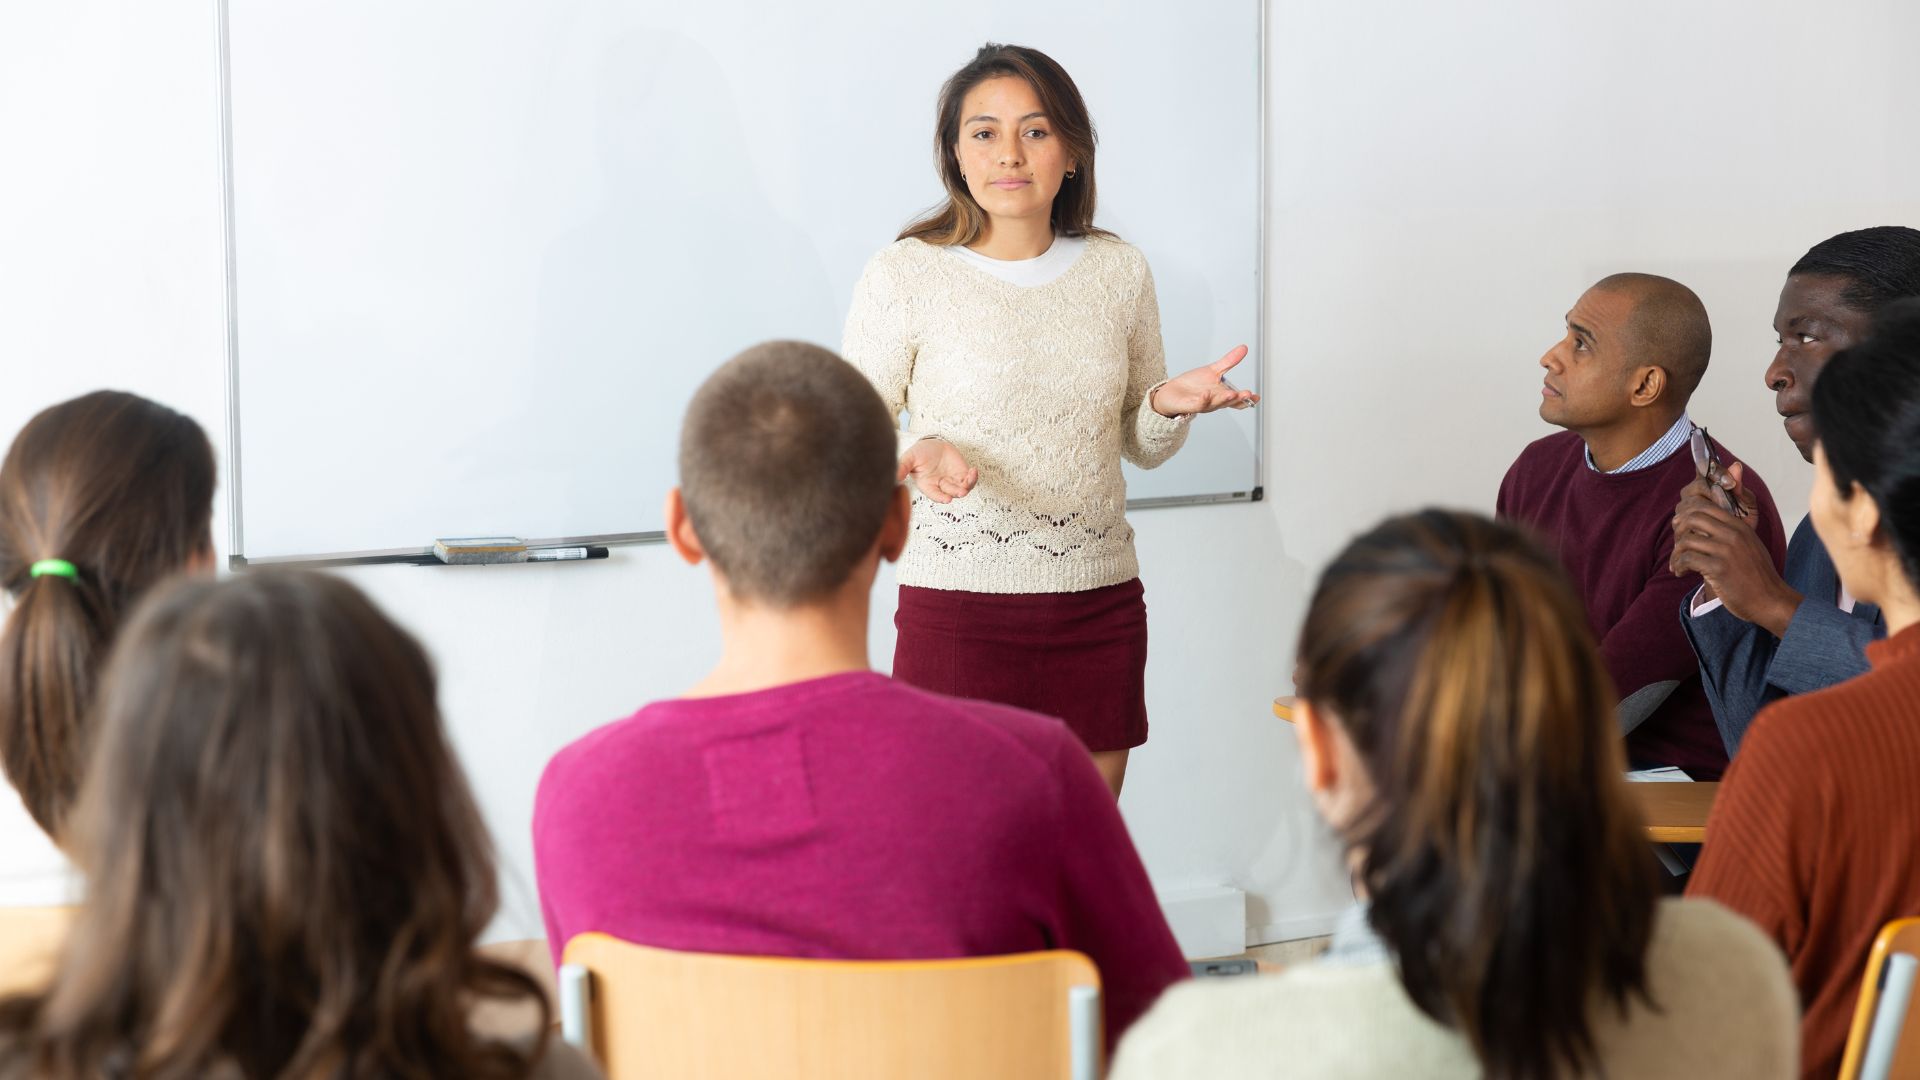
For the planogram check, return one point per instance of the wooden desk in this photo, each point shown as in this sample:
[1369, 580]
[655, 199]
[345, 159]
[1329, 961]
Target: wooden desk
[1675, 813]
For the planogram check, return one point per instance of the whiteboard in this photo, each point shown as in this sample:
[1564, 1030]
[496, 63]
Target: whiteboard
[481, 253]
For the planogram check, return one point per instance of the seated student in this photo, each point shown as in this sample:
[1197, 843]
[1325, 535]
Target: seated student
[1457, 731]
[100, 498]
[794, 802]
[1601, 495]
[1813, 833]
[1761, 635]
[285, 871]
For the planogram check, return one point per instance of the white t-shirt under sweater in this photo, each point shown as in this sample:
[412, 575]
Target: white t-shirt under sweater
[1039, 270]
[1041, 388]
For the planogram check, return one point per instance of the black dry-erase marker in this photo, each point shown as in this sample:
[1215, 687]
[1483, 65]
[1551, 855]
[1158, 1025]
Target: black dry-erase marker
[565, 554]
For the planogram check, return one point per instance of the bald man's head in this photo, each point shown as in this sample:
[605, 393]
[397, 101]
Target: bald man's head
[1635, 348]
[1666, 327]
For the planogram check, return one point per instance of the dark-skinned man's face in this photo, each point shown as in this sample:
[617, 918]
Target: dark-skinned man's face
[1812, 323]
[1589, 371]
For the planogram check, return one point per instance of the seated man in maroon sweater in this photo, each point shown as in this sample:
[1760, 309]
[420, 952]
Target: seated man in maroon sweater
[1601, 494]
[794, 802]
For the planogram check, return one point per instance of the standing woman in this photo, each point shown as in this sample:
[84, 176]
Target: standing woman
[1025, 344]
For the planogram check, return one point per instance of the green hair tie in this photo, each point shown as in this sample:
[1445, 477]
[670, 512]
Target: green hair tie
[56, 567]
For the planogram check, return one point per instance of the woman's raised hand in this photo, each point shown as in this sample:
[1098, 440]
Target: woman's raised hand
[1204, 389]
[938, 470]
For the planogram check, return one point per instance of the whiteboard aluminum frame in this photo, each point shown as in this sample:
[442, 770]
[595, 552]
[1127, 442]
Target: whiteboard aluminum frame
[236, 523]
[236, 536]
[425, 557]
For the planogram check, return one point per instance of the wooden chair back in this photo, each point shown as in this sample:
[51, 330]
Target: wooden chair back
[29, 944]
[1876, 1046]
[648, 1013]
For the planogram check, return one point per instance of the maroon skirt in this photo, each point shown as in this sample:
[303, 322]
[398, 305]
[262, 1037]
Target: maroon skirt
[1080, 656]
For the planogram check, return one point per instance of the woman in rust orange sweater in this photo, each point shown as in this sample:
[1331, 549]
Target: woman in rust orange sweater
[1814, 833]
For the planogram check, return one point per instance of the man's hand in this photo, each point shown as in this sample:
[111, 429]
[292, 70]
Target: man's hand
[1727, 552]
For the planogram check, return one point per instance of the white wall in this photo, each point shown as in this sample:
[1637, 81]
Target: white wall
[1444, 182]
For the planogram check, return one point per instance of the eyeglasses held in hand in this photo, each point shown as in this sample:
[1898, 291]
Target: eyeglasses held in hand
[1706, 465]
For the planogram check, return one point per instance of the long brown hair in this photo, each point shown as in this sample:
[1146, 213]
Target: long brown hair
[1500, 853]
[122, 488]
[286, 873]
[961, 220]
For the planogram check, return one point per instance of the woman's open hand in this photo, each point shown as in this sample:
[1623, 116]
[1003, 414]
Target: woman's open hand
[1204, 389]
[938, 470]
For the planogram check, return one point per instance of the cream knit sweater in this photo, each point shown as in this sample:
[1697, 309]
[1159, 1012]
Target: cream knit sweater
[1042, 388]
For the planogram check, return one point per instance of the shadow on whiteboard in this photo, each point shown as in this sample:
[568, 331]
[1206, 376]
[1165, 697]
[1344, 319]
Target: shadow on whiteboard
[648, 279]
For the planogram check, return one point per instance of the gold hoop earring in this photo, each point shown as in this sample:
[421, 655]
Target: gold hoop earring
[1069, 174]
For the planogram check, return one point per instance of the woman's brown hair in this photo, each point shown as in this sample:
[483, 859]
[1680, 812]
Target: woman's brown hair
[121, 488]
[1501, 857]
[286, 873]
[961, 220]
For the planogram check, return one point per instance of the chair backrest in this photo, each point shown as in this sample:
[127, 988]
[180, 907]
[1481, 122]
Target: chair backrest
[1875, 1046]
[29, 944]
[508, 1018]
[647, 1013]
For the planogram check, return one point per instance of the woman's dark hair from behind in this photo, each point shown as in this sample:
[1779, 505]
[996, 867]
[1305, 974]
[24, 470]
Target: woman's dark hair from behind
[1502, 859]
[960, 220]
[286, 872]
[122, 488]
[1866, 408]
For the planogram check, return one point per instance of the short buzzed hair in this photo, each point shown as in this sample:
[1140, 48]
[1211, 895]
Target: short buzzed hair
[1667, 329]
[787, 469]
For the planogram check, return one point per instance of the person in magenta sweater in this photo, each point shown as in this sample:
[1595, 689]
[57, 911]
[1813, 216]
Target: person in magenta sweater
[795, 803]
[1600, 494]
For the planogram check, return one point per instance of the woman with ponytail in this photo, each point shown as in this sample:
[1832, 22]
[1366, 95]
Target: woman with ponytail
[1456, 729]
[286, 872]
[101, 497]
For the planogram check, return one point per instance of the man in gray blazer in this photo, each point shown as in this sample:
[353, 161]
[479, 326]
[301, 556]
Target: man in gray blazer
[1760, 636]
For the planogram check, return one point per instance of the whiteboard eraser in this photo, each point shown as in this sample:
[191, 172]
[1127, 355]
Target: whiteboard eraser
[479, 550]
